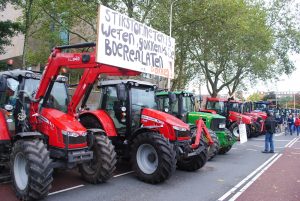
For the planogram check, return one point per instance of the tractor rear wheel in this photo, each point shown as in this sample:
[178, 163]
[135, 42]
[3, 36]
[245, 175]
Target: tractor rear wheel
[195, 162]
[101, 167]
[153, 157]
[31, 169]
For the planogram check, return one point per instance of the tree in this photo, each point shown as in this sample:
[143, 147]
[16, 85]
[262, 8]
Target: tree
[241, 41]
[255, 97]
[8, 29]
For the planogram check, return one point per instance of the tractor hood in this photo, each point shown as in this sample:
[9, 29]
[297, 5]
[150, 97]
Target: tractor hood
[61, 120]
[208, 111]
[235, 116]
[259, 113]
[209, 115]
[162, 117]
[197, 115]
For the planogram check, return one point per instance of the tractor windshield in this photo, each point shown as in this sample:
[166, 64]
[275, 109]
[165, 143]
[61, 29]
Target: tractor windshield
[143, 98]
[218, 106]
[235, 107]
[187, 104]
[58, 98]
[261, 106]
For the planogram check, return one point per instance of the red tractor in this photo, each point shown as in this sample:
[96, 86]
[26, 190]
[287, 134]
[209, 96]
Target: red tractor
[154, 141]
[40, 130]
[232, 111]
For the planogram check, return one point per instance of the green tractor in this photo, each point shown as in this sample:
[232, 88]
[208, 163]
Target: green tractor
[182, 105]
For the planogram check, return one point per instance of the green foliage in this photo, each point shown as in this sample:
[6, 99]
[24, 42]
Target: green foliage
[255, 97]
[229, 43]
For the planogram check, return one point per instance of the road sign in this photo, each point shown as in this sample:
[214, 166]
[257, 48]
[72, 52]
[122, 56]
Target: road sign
[126, 43]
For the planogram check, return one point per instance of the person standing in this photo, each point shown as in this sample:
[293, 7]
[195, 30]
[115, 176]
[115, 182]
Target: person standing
[270, 125]
[297, 124]
[290, 122]
[279, 121]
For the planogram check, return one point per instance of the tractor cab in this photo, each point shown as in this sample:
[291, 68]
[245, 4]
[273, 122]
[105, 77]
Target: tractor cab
[179, 104]
[124, 102]
[261, 106]
[18, 87]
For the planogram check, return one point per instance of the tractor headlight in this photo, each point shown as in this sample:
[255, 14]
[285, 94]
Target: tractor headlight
[222, 125]
[179, 128]
[72, 134]
[181, 132]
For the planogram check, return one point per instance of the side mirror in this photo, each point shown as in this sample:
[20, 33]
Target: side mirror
[172, 97]
[121, 92]
[3, 84]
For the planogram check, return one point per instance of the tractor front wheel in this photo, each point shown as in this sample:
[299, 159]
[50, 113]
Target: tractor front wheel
[31, 169]
[213, 149]
[195, 162]
[234, 128]
[101, 167]
[153, 158]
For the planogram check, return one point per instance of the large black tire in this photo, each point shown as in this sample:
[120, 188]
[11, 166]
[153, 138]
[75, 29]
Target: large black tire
[31, 169]
[256, 126]
[193, 163]
[152, 157]
[213, 149]
[196, 162]
[234, 128]
[101, 167]
[230, 137]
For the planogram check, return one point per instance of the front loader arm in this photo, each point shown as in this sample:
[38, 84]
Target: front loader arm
[82, 60]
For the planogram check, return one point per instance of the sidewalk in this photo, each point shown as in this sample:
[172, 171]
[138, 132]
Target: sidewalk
[280, 182]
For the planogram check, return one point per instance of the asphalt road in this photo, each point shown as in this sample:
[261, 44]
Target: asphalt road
[210, 183]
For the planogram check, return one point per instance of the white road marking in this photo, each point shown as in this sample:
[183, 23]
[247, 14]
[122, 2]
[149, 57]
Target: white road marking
[288, 144]
[251, 149]
[273, 140]
[232, 190]
[74, 187]
[236, 195]
[67, 189]
[125, 173]
[262, 146]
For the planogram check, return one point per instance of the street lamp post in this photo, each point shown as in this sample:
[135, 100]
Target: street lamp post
[170, 33]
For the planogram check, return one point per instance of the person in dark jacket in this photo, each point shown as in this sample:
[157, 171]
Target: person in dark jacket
[290, 122]
[270, 125]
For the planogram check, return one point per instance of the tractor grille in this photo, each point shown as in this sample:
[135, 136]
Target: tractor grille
[74, 140]
[183, 133]
[215, 124]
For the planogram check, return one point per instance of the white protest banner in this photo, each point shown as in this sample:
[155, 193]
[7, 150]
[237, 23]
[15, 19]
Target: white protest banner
[243, 133]
[126, 43]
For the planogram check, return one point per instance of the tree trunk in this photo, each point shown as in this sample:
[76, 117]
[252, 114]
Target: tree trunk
[26, 31]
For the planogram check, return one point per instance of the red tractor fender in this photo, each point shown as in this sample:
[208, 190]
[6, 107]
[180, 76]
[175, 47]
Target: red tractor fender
[4, 132]
[104, 120]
